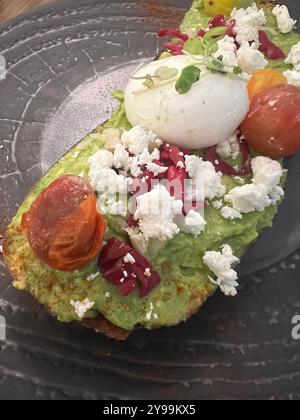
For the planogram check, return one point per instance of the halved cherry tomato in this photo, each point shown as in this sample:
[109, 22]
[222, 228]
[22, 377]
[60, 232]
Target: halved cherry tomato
[63, 226]
[263, 79]
[272, 126]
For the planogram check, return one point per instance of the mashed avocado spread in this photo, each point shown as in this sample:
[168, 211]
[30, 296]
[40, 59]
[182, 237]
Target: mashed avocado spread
[184, 283]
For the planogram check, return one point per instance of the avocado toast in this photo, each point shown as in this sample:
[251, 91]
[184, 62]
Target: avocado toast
[182, 270]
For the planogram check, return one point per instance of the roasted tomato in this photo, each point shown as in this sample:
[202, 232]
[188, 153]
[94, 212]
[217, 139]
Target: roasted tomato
[263, 79]
[272, 126]
[63, 226]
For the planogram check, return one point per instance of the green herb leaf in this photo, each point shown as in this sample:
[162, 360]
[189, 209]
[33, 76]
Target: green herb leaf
[214, 33]
[148, 83]
[189, 76]
[237, 71]
[216, 66]
[211, 48]
[194, 46]
[165, 72]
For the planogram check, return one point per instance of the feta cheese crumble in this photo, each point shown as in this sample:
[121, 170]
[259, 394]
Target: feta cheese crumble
[248, 23]
[81, 308]
[156, 211]
[230, 213]
[294, 55]
[217, 204]
[284, 21]
[102, 158]
[137, 139]
[194, 223]
[220, 263]
[204, 172]
[227, 50]
[266, 172]
[156, 169]
[129, 259]
[250, 59]
[249, 198]
[229, 148]
[113, 187]
[258, 195]
[121, 157]
[293, 76]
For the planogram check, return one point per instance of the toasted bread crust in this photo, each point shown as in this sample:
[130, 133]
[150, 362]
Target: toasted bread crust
[102, 325]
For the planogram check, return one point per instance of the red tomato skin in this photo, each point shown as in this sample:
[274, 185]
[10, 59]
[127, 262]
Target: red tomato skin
[272, 126]
[62, 226]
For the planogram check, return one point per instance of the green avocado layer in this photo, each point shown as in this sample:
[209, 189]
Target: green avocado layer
[184, 286]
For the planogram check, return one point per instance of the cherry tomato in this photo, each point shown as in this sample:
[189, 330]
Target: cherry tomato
[63, 226]
[272, 126]
[263, 79]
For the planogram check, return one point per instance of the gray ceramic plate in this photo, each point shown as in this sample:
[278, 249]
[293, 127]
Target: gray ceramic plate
[63, 61]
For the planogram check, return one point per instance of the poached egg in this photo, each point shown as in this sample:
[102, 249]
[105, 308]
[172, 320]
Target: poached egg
[208, 114]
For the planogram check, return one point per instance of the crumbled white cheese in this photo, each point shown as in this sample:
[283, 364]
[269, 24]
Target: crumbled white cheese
[250, 59]
[194, 223]
[266, 172]
[229, 148]
[107, 295]
[155, 213]
[129, 259]
[145, 157]
[106, 180]
[191, 163]
[147, 272]
[137, 139]
[102, 158]
[227, 50]
[205, 173]
[248, 23]
[217, 204]
[294, 55]
[293, 77]
[121, 157]
[156, 169]
[284, 21]
[230, 213]
[81, 308]
[93, 276]
[134, 166]
[261, 193]
[276, 194]
[180, 165]
[113, 204]
[220, 263]
[249, 198]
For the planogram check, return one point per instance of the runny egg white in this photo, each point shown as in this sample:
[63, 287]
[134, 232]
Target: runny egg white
[206, 115]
